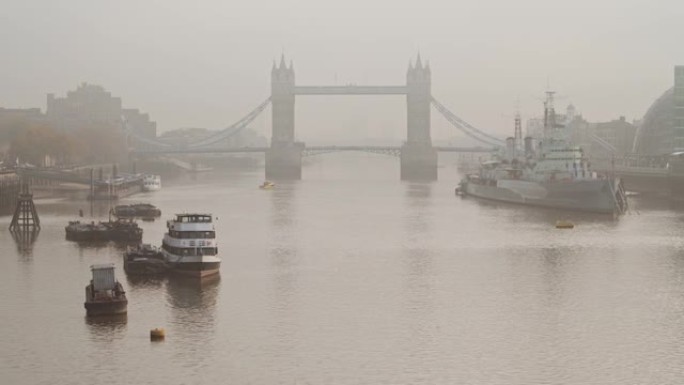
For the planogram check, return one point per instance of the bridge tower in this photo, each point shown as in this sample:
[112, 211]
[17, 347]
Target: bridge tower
[418, 157]
[284, 158]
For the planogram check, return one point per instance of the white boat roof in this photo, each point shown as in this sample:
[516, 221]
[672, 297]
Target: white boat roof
[196, 217]
[102, 266]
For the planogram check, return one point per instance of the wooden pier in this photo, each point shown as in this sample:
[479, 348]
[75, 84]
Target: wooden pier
[25, 219]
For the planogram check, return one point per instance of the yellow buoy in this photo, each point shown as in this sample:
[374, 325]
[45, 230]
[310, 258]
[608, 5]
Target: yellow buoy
[157, 334]
[563, 224]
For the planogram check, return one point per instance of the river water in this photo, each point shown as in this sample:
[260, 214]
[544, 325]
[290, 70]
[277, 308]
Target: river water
[353, 277]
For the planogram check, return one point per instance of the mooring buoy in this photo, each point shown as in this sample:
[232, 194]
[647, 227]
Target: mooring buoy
[157, 334]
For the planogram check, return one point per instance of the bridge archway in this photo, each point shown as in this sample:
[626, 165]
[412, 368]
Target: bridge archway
[418, 157]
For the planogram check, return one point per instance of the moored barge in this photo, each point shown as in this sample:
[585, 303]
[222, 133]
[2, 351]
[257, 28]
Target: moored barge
[141, 210]
[117, 231]
[104, 295]
[144, 260]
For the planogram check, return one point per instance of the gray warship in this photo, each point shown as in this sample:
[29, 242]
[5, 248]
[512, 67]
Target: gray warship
[555, 174]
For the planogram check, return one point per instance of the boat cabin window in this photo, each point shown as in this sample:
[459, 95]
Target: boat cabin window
[193, 218]
[192, 234]
[191, 251]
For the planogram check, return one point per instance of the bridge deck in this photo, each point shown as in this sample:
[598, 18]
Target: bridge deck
[642, 171]
[239, 150]
[350, 90]
[67, 176]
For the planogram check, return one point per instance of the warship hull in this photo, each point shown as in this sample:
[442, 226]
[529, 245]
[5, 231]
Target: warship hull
[598, 196]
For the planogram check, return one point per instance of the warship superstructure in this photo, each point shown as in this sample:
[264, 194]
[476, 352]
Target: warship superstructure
[554, 173]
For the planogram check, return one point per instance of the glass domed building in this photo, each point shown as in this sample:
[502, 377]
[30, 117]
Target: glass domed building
[655, 133]
[661, 131]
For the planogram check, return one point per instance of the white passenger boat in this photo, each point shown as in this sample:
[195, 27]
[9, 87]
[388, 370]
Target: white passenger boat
[151, 182]
[189, 246]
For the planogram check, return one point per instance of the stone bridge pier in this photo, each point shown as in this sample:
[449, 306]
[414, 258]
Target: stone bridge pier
[418, 157]
[284, 157]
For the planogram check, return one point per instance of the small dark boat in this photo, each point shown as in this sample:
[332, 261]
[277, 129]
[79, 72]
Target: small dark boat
[123, 211]
[143, 210]
[118, 231]
[144, 260]
[104, 295]
[92, 232]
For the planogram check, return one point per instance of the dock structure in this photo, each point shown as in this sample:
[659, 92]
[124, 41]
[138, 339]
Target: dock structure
[113, 187]
[9, 191]
[25, 218]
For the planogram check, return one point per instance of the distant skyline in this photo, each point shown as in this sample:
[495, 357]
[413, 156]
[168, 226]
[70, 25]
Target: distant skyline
[207, 64]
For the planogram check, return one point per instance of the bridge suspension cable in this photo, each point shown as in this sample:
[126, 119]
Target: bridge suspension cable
[234, 128]
[603, 143]
[464, 126]
[217, 137]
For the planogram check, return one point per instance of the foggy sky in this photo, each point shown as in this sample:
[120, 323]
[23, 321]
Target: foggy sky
[207, 63]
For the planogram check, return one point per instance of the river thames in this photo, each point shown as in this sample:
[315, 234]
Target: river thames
[351, 276]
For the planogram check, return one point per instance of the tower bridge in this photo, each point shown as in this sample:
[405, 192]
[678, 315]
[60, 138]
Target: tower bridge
[418, 157]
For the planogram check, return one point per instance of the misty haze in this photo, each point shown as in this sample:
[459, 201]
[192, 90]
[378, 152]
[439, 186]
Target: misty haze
[314, 192]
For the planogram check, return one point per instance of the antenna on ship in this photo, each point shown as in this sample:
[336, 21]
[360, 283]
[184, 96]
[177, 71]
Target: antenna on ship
[549, 112]
[518, 133]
